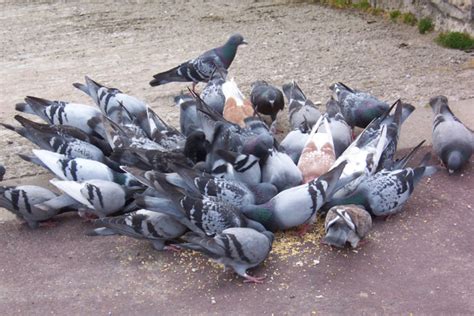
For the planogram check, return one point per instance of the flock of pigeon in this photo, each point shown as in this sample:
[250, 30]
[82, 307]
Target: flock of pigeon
[222, 184]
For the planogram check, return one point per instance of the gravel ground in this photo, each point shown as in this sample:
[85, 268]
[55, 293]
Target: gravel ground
[419, 261]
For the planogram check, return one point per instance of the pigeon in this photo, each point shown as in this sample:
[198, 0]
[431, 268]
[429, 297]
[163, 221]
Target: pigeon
[318, 155]
[452, 141]
[239, 248]
[79, 169]
[84, 117]
[301, 110]
[297, 205]
[23, 200]
[266, 99]
[111, 100]
[204, 214]
[212, 93]
[102, 198]
[346, 224]
[239, 167]
[236, 107]
[385, 192]
[359, 108]
[294, 142]
[340, 130]
[49, 139]
[66, 131]
[2, 172]
[189, 121]
[141, 224]
[279, 170]
[201, 68]
[196, 146]
[233, 192]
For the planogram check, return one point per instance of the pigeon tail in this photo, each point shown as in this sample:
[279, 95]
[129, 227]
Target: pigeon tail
[168, 76]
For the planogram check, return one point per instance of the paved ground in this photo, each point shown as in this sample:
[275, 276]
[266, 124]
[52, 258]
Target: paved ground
[419, 261]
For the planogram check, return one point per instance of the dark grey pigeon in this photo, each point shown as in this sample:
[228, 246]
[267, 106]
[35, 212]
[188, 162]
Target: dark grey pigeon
[201, 68]
[2, 172]
[239, 248]
[359, 108]
[266, 99]
[301, 110]
[142, 224]
[452, 141]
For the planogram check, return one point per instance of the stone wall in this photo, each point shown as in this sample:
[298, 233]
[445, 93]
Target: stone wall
[448, 15]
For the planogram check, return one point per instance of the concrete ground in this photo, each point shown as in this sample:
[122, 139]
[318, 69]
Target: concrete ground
[419, 261]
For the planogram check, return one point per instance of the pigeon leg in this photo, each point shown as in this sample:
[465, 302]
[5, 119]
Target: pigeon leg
[50, 223]
[172, 248]
[251, 279]
[303, 229]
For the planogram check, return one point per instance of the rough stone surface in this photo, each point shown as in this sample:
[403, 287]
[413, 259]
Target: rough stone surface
[448, 15]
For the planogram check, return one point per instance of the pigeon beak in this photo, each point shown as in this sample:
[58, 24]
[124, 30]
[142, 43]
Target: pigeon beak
[244, 42]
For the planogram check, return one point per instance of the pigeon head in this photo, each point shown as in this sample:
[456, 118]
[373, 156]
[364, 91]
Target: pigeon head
[260, 213]
[258, 83]
[236, 40]
[437, 103]
[337, 234]
[455, 161]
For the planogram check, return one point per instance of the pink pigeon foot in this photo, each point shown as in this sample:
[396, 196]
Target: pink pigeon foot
[251, 279]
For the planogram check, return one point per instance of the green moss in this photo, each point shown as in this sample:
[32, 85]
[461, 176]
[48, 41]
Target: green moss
[394, 15]
[455, 40]
[425, 25]
[340, 4]
[409, 18]
[362, 5]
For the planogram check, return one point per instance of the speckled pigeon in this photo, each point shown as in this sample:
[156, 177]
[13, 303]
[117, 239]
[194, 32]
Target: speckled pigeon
[239, 248]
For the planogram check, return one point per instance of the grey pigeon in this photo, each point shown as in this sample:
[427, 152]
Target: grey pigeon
[112, 100]
[84, 117]
[452, 141]
[385, 192]
[102, 198]
[200, 213]
[346, 224]
[301, 110]
[23, 200]
[79, 169]
[238, 248]
[293, 143]
[49, 139]
[266, 99]
[201, 68]
[280, 170]
[238, 167]
[297, 205]
[141, 224]
[212, 93]
[234, 192]
[359, 108]
[340, 130]
[189, 121]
